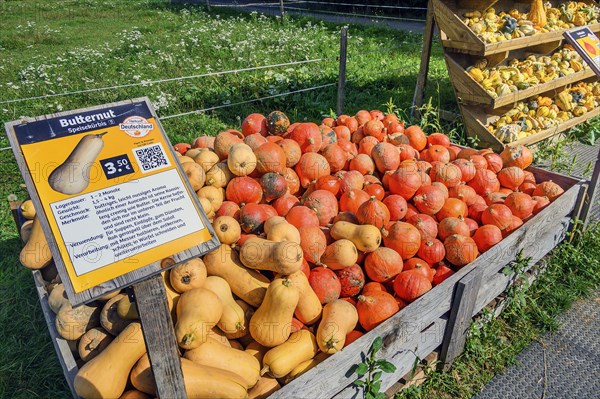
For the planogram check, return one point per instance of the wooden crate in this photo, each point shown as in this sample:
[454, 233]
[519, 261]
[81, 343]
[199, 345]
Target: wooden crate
[422, 327]
[459, 37]
[476, 119]
[469, 91]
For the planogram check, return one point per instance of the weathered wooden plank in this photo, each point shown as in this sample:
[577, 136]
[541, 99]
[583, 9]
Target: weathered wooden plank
[592, 192]
[459, 321]
[63, 352]
[425, 57]
[159, 335]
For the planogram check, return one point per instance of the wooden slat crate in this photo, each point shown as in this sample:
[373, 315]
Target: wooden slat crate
[476, 120]
[420, 328]
[460, 38]
[469, 91]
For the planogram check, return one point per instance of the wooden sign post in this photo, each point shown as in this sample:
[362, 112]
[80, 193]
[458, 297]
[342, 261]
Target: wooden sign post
[113, 201]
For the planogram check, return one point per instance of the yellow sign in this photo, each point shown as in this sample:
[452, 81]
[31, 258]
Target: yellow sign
[111, 190]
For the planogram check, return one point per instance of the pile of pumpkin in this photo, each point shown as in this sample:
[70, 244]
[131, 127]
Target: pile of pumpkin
[327, 231]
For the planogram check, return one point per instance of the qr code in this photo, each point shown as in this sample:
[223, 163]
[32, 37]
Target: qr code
[151, 157]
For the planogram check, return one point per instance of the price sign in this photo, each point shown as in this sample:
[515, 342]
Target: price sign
[111, 197]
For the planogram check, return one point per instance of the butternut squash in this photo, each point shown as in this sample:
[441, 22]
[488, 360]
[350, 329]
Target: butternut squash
[264, 388]
[339, 318]
[28, 210]
[235, 344]
[127, 310]
[36, 253]
[280, 257]
[257, 350]
[215, 195]
[57, 298]
[271, 324]
[281, 360]
[366, 238]
[232, 321]
[212, 353]
[195, 174]
[206, 158]
[198, 311]
[184, 159]
[106, 375]
[227, 229]
[340, 255]
[219, 175]
[172, 295]
[241, 160]
[110, 319]
[26, 231]
[73, 175]
[71, 323]
[188, 275]
[93, 342]
[247, 284]
[142, 377]
[210, 382]
[278, 229]
[305, 366]
[134, 394]
[309, 307]
[219, 336]
[207, 207]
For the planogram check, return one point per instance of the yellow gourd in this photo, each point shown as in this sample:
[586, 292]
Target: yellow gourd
[241, 160]
[106, 375]
[212, 353]
[300, 347]
[211, 382]
[305, 366]
[537, 15]
[271, 324]
[36, 252]
[264, 388]
[339, 318]
[188, 275]
[309, 307]
[280, 257]
[198, 311]
[227, 229]
[71, 323]
[219, 175]
[73, 175]
[247, 284]
[366, 238]
[278, 229]
[340, 255]
[92, 343]
[232, 321]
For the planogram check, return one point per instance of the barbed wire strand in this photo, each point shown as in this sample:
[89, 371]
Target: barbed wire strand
[199, 111]
[315, 12]
[151, 82]
[360, 5]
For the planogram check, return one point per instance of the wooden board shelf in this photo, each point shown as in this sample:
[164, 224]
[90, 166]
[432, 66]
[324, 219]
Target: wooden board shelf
[476, 120]
[469, 91]
[460, 38]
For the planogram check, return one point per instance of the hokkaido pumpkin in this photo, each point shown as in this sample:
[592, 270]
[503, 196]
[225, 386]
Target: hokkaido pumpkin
[352, 280]
[396, 205]
[325, 283]
[460, 250]
[386, 157]
[225, 140]
[520, 204]
[310, 167]
[313, 243]
[405, 181]
[486, 237]
[452, 225]
[432, 251]
[351, 200]
[410, 286]
[243, 190]
[375, 308]
[339, 318]
[308, 136]
[429, 199]
[324, 204]
[449, 175]
[485, 181]
[300, 216]
[497, 214]
[425, 224]
[548, 189]
[253, 124]
[519, 156]
[383, 264]
[373, 212]
[403, 238]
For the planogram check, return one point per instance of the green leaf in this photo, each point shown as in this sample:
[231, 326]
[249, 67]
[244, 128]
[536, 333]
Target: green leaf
[370, 395]
[376, 376]
[361, 369]
[386, 366]
[507, 271]
[377, 345]
[359, 383]
[380, 395]
[376, 386]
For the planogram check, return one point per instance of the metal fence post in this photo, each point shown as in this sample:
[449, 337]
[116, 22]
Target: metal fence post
[342, 74]
[208, 5]
[281, 9]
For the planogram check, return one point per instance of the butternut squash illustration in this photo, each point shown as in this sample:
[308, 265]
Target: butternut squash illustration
[232, 321]
[283, 257]
[339, 318]
[106, 375]
[73, 175]
[247, 284]
[36, 253]
[198, 311]
[281, 360]
[271, 324]
[309, 306]
[212, 353]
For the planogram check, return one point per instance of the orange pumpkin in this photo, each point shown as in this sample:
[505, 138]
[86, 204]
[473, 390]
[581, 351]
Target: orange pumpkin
[460, 250]
[410, 286]
[243, 190]
[352, 200]
[429, 199]
[519, 156]
[425, 224]
[308, 136]
[373, 212]
[375, 308]
[386, 157]
[416, 137]
[383, 264]
[324, 204]
[497, 214]
[548, 189]
[270, 157]
[310, 167]
[403, 238]
[486, 237]
[397, 206]
[313, 243]
[452, 225]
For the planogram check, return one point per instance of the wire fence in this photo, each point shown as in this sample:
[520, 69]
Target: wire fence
[338, 56]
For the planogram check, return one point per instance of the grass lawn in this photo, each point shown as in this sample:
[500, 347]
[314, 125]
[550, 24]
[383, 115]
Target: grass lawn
[49, 47]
